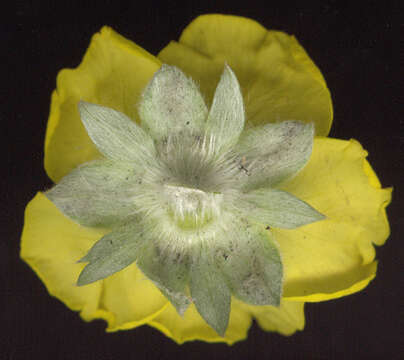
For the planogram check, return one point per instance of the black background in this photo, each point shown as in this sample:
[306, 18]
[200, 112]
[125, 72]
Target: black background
[357, 49]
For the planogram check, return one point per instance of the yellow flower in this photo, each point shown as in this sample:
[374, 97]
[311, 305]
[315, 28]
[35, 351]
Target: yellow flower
[322, 260]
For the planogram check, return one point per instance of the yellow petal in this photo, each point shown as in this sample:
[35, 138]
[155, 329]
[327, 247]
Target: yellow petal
[113, 73]
[132, 298]
[286, 319]
[334, 257]
[278, 79]
[192, 327]
[51, 244]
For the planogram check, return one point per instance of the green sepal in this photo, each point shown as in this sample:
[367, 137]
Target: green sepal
[168, 269]
[278, 209]
[97, 193]
[273, 153]
[112, 253]
[171, 103]
[116, 136]
[251, 263]
[209, 290]
[226, 116]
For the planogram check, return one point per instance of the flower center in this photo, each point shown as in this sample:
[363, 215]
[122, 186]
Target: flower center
[192, 208]
[194, 178]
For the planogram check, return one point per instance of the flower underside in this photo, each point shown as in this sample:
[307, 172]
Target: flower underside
[189, 195]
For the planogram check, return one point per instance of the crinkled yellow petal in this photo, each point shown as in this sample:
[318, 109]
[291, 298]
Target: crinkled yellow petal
[113, 73]
[278, 79]
[334, 257]
[192, 327]
[52, 244]
[286, 319]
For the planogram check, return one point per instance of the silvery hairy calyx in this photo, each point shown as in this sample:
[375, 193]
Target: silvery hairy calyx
[190, 195]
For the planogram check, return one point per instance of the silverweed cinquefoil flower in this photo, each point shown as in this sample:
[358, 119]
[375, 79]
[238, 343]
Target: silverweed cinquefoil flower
[187, 195]
[197, 205]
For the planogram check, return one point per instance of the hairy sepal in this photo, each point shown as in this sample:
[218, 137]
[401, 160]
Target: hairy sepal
[98, 193]
[274, 152]
[112, 253]
[251, 263]
[277, 208]
[209, 290]
[116, 136]
[226, 116]
[168, 269]
[171, 103]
